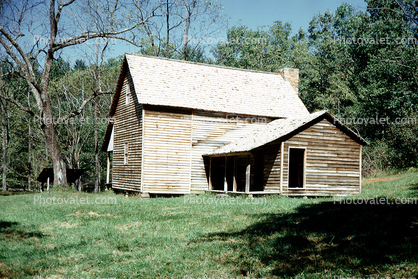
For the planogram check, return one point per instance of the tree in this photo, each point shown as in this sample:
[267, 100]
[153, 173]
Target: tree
[332, 67]
[269, 50]
[16, 17]
[365, 67]
[5, 130]
[180, 27]
[79, 133]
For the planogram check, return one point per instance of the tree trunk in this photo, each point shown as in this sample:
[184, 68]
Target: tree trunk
[6, 138]
[78, 183]
[185, 41]
[168, 33]
[57, 156]
[189, 10]
[96, 150]
[29, 157]
[98, 88]
[5, 123]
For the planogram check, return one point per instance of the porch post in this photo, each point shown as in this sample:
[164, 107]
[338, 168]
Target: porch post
[234, 179]
[210, 173]
[281, 166]
[108, 169]
[225, 180]
[248, 176]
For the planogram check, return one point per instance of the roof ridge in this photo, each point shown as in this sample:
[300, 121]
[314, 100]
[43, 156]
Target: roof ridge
[184, 84]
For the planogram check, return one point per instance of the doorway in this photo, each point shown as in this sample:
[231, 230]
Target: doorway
[297, 167]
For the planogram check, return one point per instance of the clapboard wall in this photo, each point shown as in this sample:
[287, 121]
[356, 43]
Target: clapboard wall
[166, 151]
[272, 160]
[332, 161]
[211, 130]
[127, 130]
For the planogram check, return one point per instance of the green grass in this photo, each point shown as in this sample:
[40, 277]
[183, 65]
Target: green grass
[166, 237]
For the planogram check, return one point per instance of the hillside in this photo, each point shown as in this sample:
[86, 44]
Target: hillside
[197, 236]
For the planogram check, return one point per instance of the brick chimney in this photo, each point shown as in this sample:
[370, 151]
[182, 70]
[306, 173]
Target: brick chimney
[291, 75]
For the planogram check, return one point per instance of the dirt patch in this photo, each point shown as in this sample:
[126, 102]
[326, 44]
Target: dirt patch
[6, 271]
[78, 214]
[379, 179]
[68, 225]
[95, 214]
[127, 226]
[91, 214]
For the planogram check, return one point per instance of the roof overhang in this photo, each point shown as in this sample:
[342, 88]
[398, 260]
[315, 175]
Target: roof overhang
[107, 145]
[118, 87]
[280, 130]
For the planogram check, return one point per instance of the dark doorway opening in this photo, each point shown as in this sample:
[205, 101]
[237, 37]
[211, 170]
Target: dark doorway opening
[258, 171]
[229, 172]
[296, 167]
[218, 173]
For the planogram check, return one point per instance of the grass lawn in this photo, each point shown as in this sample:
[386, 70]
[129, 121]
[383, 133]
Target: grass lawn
[276, 237]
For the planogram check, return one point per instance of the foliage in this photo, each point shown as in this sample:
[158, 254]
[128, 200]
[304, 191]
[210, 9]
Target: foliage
[68, 88]
[260, 50]
[359, 66]
[76, 134]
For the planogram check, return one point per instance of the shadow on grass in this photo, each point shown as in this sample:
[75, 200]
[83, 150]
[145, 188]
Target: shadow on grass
[329, 237]
[13, 193]
[13, 231]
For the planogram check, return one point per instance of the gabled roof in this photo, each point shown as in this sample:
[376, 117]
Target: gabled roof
[279, 129]
[174, 83]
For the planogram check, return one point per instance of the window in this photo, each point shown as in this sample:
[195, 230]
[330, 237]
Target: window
[125, 153]
[128, 94]
[297, 167]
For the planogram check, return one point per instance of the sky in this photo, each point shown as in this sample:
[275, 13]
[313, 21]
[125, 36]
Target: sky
[259, 13]
[254, 14]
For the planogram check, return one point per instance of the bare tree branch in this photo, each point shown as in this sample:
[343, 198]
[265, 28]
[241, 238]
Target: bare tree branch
[19, 105]
[406, 13]
[81, 108]
[19, 49]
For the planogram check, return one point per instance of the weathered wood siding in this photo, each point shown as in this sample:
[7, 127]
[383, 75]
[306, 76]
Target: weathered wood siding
[332, 161]
[127, 129]
[211, 130]
[167, 151]
[271, 173]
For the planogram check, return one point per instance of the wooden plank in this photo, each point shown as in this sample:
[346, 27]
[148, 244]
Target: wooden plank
[332, 162]
[210, 174]
[208, 133]
[248, 178]
[108, 169]
[234, 186]
[166, 151]
[142, 153]
[225, 180]
[281, 165]
[127, 129]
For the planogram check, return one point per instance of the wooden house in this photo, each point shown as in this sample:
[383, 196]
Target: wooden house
[181, 127]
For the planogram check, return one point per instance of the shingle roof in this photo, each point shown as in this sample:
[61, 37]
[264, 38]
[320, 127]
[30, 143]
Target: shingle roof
[174, 83]
[278, 129]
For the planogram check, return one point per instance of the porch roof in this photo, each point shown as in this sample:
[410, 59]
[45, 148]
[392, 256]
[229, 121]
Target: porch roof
[279, 129]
